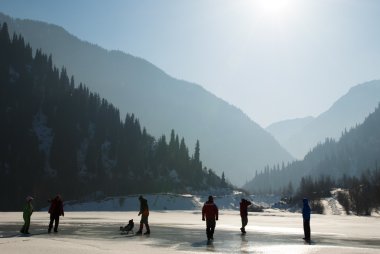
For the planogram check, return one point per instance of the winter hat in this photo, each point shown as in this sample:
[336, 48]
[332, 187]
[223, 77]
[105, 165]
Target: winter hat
[29, 198]
[210, 198]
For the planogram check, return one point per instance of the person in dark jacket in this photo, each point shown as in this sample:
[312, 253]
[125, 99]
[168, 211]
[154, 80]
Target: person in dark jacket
[210, 213]
[306, 219]
[244, 214]
[26, 214]
[55, 210]
[144, 212]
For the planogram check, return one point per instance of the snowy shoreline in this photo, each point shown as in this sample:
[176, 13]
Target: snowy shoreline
[168, 201]
[177, 202]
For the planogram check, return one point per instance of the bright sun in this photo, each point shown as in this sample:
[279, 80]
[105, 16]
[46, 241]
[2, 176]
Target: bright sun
[274, 8]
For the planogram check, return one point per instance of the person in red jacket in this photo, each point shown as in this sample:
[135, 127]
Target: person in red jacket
[210, 212]
[55, 210]
[244, 214]
[144, 212]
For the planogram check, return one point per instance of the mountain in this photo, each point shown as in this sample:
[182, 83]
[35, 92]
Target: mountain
[230, 141]
[348, 111]
[286, 129]
[58, 137]
[356, 151]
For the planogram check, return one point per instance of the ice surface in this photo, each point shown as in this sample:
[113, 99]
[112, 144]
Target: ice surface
[183, 232]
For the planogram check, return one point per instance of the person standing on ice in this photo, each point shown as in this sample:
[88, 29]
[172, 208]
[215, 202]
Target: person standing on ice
[244, 214]
[210, 212]
[144, 212]
[306, 219]
[26, 214]
[55, 210]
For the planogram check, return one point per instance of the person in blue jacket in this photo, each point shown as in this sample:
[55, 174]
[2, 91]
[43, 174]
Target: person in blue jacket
[306, 219]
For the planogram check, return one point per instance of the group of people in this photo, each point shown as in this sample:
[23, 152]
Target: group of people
[210, 214]
[55, 211]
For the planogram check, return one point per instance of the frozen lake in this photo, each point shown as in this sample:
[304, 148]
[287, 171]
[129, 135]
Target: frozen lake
[184, 232]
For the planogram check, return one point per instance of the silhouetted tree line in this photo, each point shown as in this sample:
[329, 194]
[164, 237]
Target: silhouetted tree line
[356, 150]
[357, 194]
[314, 190]
[362, 194]
[59, 137]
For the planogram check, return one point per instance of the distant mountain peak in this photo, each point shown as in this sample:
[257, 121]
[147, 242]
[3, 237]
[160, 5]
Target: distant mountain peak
[348, 111]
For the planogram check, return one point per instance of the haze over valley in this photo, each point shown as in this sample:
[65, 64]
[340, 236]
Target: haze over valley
[299, 136]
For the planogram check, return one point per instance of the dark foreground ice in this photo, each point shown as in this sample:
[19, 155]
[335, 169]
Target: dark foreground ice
[172, 232]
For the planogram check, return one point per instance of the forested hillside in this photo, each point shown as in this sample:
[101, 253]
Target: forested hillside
[231, 142]
[59, 137]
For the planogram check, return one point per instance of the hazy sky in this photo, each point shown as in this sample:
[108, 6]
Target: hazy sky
[274, 59]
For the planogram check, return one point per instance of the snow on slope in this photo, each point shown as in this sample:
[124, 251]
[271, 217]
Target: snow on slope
[166, 202]
[332, 207]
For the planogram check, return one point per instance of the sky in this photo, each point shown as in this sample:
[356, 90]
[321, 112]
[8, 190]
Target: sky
[273, 59]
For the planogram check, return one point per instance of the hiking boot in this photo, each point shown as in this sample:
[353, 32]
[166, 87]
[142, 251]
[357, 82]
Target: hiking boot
[147, 233]
[139, 232]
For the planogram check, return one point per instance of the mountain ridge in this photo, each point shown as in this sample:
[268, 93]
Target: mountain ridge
[346, 112]
[231, 141]
[285, 129]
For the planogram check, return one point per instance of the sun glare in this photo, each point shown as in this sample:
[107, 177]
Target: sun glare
[274, 9]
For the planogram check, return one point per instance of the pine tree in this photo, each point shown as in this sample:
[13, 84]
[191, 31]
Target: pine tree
[197, 153]
[223, 183]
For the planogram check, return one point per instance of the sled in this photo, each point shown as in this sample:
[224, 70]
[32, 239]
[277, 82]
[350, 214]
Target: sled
[128, 228]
